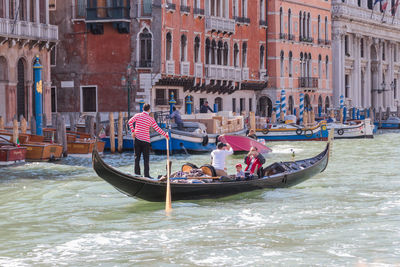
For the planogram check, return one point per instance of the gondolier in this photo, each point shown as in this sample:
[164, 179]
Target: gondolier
[141, 135]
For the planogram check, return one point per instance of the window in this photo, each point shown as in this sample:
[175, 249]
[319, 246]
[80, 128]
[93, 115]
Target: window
[304, 25]
[346, 45]
[290, 105]
[370, 4]
[145, 48]
[183, 48]
[147, 7]
[244, 55]
[53, 56]
[235, 6]
[88, 99]
[169, 46]
[196, 49]
[289, 22]
[242, 104]
[213, 48]
[319, 66]
[301, 65]
[319, 27]
[235, 55]
[218, 101]
[22, 10]
[282, 63]
[234, 104]
[244, 8]
[326, 28]
[80, 7]
[219, 53]
[347, 86]
[250, 104]
[359, 2]
[308, 25]
[290, 64]
[362, 47]
[208, 51]
[212, 7]
[53, 99]
[226, 53]
[160, 96]
[327, 67]
[300, 25]
[262, 9]
[262, 65]
[383, 51]
[280, 20]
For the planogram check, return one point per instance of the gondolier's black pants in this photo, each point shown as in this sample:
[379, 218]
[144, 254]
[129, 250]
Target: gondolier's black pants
[142, 147]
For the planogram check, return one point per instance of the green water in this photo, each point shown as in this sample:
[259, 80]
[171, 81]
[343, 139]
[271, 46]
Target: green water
[63, 214]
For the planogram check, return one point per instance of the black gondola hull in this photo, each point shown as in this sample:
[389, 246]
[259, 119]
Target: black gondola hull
[155, 190]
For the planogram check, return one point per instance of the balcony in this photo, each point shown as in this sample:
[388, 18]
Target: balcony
[245, 74]
[282, 36]
[308, 82]
[198, 70]
[171, 7]
[144, 64]
[327, 42]
[221, 72]
[107, 14]
[263, 23]
[23, 30]
[170, 67]
[291, 37]
[263, 74]
[321, 41]
[185, 68]
[242, 20]
[185, 9]
[219, 24]
[165, 102]
[198, 12]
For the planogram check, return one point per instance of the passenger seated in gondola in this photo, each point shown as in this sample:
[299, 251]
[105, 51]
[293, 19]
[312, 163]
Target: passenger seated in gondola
[218, 158]
[254, 161]
[239, 172]
[252, 134]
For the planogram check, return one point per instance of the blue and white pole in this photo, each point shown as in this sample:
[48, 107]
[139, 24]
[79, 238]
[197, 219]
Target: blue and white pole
[172, 103]
[301, 107]
[38, 83]
[341, 101]
[141, 104]
[283, 102]
[189, 105]
[278, 108]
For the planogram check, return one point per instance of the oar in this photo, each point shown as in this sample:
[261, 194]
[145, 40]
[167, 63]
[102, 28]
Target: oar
[168, 205]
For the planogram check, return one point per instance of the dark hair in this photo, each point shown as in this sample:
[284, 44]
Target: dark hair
[173, 108]
[220, 145]
[146, 107]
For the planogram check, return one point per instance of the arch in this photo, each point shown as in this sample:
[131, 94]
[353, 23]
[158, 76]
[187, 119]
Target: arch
[264, 106]
[307, 101]
[219, 102]
[196, 49]
[183, 47]
[327, 104]
[290, 105]
[168, 40]
[21, 94]
[145, 48]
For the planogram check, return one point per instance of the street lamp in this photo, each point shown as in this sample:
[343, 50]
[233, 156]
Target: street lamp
[128, 81]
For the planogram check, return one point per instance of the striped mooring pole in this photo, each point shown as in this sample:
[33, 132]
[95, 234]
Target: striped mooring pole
[278, 108]
[301, 107]
[283, 102]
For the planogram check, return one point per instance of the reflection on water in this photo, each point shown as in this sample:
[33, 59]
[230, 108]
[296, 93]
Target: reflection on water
[62, 213]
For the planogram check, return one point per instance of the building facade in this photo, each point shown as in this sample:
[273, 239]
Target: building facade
[25, 31]
[300, 53]
[366, 66]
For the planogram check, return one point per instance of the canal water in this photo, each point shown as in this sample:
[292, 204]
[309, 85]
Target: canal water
[54, 214]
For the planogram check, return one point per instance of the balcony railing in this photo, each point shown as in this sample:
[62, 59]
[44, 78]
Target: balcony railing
[199, 12]
[185, 68]
[28, 30]
[144, 64]
[198, 70]
[321, 41]
[245, 74]
[221, 72]
[107, 13]
[165, 102]
[263, 23]
[170, 69]
[282, 36]
[185, 9]
[220, 24]
[242, 20]
[290, 36]
[308, 82]
[327, 42]
[171, 7]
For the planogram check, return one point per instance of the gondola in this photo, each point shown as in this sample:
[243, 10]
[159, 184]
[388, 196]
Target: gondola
[276, 175]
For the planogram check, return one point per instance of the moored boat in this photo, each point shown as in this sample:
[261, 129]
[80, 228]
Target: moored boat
[276, 175]
[10, 154]
[244, 143]
[293, 132]
[390, 123]
[353, 129]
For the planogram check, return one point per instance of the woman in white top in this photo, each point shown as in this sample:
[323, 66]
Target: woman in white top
[218, 158]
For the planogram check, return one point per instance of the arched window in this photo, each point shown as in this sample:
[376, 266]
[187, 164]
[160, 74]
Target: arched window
[309, 71]
[262, 65]
[289, 22]
[300, 25]
[168, 46]
[290, 64]
[219, 53]
[304, 25]
[327, 67]
[326, 104]
[281, 20]
[301, 65]
[308, 25]
[290, 105]
[145, 48]
[196, 49]
[262, 9]
[218, 101]
[305, 65]
[213, 48]
[244, 55]
[326, 28]
[319, 28]
[208, 51]
[183, 47]
[282, 64]
[319, 66]
[226, 53]
[235, 55]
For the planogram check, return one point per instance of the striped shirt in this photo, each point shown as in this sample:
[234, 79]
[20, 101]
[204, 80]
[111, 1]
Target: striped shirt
[143, 123]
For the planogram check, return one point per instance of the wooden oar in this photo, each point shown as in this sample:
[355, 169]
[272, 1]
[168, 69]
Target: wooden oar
[168, 205]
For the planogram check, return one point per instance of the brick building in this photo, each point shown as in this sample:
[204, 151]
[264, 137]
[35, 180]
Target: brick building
[299, 52]
[25, 32]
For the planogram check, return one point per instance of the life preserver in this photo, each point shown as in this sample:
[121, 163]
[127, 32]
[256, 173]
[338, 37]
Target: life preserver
[340, 132]
[323, 127]
[265, 131]
[299, 131]
[205, 140]
[308, 133]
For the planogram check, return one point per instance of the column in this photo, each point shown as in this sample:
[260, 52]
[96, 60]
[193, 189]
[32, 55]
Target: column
[7, 10]
[367, 77]
[28, 11]
[47, 12]
[337, 67]
[37, 12]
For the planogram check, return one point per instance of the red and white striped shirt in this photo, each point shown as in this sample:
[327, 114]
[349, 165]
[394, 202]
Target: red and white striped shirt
[143, 123]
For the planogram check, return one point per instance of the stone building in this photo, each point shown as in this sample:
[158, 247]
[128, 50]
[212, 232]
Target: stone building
[366, 66]
[25, 32]
[300, 53]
